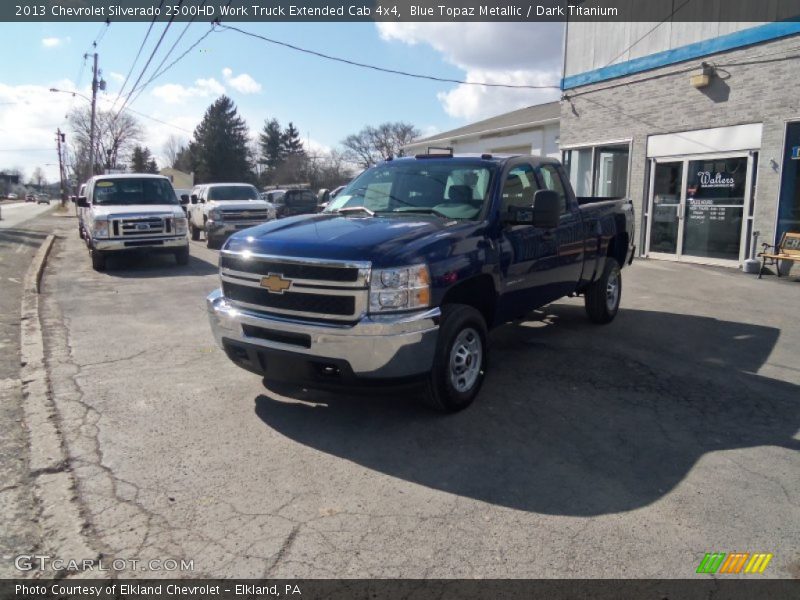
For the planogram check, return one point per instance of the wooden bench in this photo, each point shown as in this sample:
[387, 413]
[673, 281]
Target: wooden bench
[788, 249]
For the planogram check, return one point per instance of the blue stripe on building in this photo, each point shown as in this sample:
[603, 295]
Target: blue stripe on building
[738, 39]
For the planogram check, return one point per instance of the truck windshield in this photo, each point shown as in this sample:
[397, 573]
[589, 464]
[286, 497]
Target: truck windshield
[134, 190]
[448, 188]
[232, 192]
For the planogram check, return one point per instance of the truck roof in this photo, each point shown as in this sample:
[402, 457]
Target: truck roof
[130, 176]
[485, 157]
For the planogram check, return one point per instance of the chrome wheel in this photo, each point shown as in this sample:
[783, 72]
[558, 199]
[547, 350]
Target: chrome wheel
[612, 290]
[466, 359]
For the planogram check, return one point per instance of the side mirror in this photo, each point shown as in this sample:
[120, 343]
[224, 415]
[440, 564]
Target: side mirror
[83, 202]
[546, 209]
[184, 199]
[194, 198]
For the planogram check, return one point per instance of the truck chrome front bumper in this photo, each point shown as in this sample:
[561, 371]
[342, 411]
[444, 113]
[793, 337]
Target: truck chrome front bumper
[226, 228]
[377, 347]
[134, 243]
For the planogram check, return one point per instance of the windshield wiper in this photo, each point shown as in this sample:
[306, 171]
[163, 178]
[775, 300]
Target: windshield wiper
[347, 209]
[423, 209]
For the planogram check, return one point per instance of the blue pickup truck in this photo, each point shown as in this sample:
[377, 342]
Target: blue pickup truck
[400, 278]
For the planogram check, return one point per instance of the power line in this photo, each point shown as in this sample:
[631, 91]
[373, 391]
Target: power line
[136, 59]
[385, 69]
[102, 33]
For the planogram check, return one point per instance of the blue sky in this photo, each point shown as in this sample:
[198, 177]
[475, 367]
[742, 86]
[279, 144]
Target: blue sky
[325, 100]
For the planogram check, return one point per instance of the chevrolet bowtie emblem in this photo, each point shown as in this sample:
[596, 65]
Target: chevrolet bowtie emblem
[275, 284]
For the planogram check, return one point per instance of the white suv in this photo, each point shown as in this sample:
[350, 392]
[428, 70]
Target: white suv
[220, 209]
[132, 212]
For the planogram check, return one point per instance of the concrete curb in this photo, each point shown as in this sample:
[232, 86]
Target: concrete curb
[50, 474]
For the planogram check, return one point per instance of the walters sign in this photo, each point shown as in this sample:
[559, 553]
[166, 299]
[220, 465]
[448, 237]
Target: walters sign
[717, 180]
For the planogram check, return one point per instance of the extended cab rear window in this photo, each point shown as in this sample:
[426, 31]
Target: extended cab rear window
[122, 192]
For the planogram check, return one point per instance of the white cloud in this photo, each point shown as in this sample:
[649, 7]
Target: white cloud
[507, 53]
[54, 42]
[175, 93]
[118, 77]
[241, 83]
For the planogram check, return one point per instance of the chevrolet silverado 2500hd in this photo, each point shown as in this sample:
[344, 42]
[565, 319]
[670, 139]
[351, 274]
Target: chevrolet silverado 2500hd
[402, 275]
[132, 212]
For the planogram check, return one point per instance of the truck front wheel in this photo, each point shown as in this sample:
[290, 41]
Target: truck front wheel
[182, 256]
[98, 260]
[459, 364]
[603, 296]
[195, 232]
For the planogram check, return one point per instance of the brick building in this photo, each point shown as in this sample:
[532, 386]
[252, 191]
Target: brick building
[699, 123]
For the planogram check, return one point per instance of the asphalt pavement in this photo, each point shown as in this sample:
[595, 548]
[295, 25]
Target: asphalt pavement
[627, 450]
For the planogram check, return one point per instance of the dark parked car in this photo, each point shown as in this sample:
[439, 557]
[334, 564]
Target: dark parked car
[298, 202]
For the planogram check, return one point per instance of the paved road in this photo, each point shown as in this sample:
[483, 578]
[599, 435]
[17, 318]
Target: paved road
[621, 451]
[15, 214]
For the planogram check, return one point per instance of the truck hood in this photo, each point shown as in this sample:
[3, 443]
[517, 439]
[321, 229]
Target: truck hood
[237, 204]
[136, 210]
[385, 241]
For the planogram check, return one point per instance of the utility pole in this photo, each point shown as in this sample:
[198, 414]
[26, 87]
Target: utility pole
[59, 139]
[95, 85]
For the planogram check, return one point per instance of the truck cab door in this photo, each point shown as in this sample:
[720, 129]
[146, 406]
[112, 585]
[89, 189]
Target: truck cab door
[569, 234]
[528, 254]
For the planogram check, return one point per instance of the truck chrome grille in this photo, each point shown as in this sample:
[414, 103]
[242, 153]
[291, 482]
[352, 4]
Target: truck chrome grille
[305, 288]
[340, 306]
[142, 226]
[245, 215]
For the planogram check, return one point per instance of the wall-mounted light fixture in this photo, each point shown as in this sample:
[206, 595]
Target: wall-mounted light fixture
[702, 78]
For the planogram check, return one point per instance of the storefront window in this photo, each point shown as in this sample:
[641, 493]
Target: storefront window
[611, 171]
[715, 192]
[599, 170]
[789, 207]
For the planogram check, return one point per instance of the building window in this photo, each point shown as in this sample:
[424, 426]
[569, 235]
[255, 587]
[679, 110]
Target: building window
[599, 170]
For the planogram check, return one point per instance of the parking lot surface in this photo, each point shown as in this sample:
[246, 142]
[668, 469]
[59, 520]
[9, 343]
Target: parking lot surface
[627, 450]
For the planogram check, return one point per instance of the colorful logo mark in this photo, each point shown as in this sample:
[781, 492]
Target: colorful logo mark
[734, 562]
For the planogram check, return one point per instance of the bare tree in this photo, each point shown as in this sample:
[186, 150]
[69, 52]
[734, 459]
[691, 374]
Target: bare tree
[38, 178]
[172, 149]
[115, 136]
[373, 144]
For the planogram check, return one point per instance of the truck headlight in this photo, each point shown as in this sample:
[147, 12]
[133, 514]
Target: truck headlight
[404, 288]
[180, 225]
[100, 229]
[215, 214]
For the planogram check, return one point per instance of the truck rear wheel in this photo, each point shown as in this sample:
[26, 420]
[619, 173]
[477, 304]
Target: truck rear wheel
[195, 232]
[459, 365]
[98, 260]
[603, 296]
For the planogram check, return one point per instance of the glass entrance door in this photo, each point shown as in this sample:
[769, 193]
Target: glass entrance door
[666, 208]
[698, 208]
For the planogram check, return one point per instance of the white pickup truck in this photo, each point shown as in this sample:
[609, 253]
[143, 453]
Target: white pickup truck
[220, 209]
[132, 212]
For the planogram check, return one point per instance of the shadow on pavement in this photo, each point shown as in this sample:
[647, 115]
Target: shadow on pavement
[13, 237]
[143, 265]
[573, 419]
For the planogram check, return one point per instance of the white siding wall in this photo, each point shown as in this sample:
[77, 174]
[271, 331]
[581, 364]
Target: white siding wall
[541, 141]
[594, 45]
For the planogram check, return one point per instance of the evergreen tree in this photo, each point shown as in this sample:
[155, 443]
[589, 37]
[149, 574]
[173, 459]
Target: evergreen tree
[142, 160]
[292, 145]
[270, 142]
[221, 145]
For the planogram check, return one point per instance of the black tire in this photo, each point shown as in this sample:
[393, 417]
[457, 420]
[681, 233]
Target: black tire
[182, 256]
[463, 326]
[212, 242]
[80, 232]
[195, 232]
[601, 299]
[98, 260]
